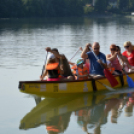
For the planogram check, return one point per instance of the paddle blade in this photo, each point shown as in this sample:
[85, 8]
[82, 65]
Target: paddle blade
[110, 78]
[130, 82]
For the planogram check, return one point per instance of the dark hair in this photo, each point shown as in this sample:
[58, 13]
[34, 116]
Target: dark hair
[55, 49]
[118, 48]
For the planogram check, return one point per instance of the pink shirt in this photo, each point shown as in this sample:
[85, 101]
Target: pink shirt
[116, 64]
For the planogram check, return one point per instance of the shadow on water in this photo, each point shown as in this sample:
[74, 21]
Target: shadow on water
[91, 111]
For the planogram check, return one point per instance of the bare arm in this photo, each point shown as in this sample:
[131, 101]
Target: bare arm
[43, 75]
[57, 55]
[71, 63]
[111, 57]
[83, 54]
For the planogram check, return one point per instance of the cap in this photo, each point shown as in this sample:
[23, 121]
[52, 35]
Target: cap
[79, 61]
[50, 56]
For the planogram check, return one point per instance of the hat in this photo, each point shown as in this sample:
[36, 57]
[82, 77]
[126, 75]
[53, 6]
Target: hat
[79, 61]
[50, 56]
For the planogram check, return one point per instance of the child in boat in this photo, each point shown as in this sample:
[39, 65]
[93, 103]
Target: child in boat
[80, 70]
[52, 70]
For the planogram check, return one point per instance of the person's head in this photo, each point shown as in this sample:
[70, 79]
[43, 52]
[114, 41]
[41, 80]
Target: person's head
[118, 49]
[96, 47]
[113, 48]
[55, 49]
[80, 62]
[128, 46]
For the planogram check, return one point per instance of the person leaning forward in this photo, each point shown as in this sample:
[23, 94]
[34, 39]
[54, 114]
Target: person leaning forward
[64, 65]
[96, 66]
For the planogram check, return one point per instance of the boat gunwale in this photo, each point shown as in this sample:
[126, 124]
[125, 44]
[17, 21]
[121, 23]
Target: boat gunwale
[90, 79]
[44, 81]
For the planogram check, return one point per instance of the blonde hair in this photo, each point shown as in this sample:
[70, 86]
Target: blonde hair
[127, 43]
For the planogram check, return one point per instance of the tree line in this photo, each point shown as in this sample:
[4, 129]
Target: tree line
[60, 8]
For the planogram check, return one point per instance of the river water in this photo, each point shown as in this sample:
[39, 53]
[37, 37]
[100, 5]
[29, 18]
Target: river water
[22, 55]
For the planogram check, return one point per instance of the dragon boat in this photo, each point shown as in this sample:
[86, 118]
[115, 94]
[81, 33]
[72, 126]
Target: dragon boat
[54, 89]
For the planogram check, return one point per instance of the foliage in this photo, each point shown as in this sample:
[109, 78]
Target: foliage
[60, 8]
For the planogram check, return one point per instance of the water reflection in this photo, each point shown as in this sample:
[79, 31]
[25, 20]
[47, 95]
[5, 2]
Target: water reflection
[91, 112]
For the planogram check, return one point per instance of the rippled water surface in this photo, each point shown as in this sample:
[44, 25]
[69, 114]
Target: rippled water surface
[22, 55]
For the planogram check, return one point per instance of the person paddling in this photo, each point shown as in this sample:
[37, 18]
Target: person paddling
[63, 62]
[112, 58]
[96, 66]
[129, 54]
[52, 70]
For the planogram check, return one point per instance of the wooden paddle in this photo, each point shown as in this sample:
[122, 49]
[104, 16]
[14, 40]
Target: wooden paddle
[75, 54]
[109, 88]
[43, 68]
[107, 73]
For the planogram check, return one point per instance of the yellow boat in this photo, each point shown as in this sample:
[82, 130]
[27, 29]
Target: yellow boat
[56, 89]
[47, 109]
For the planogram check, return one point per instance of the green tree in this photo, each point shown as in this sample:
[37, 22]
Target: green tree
[101, 5]
[123, 5]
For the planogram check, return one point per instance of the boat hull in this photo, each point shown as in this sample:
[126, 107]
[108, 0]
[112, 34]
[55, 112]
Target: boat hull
[66, 88]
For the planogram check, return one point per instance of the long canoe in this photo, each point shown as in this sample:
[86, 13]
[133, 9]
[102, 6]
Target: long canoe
[56, 89]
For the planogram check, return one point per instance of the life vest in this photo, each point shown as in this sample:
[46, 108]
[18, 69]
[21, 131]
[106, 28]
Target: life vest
[111, 69]
[80, 71]
[51, 66]
[52, 128]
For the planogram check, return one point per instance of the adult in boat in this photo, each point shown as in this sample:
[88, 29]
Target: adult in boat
[129, 53]
[123, 61]
[96, 66]
[52, 70]
[113, 59]
[80, 70]
[63, 62]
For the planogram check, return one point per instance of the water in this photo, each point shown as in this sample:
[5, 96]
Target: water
[22, 55]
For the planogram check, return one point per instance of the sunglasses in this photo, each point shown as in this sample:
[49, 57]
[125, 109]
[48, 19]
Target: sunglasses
[113, 49]
[126, 46]
[96, 48]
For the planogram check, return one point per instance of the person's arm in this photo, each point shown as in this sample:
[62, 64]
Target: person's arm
[60, 70]
[57, 55]
[71, 63]
[43, 75]
[111, 57]
[83, 54]
[104, 62]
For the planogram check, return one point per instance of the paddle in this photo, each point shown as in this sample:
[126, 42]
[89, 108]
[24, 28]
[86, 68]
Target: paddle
[75, 54]
[108, 75]
[129, 80]
[43, 68]
[109, 88]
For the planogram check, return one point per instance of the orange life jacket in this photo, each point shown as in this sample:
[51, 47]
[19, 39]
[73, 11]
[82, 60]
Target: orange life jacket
[80, 71]
[111, 69]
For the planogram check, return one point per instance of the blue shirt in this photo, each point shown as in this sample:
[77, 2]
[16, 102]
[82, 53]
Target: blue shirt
[95, 67]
